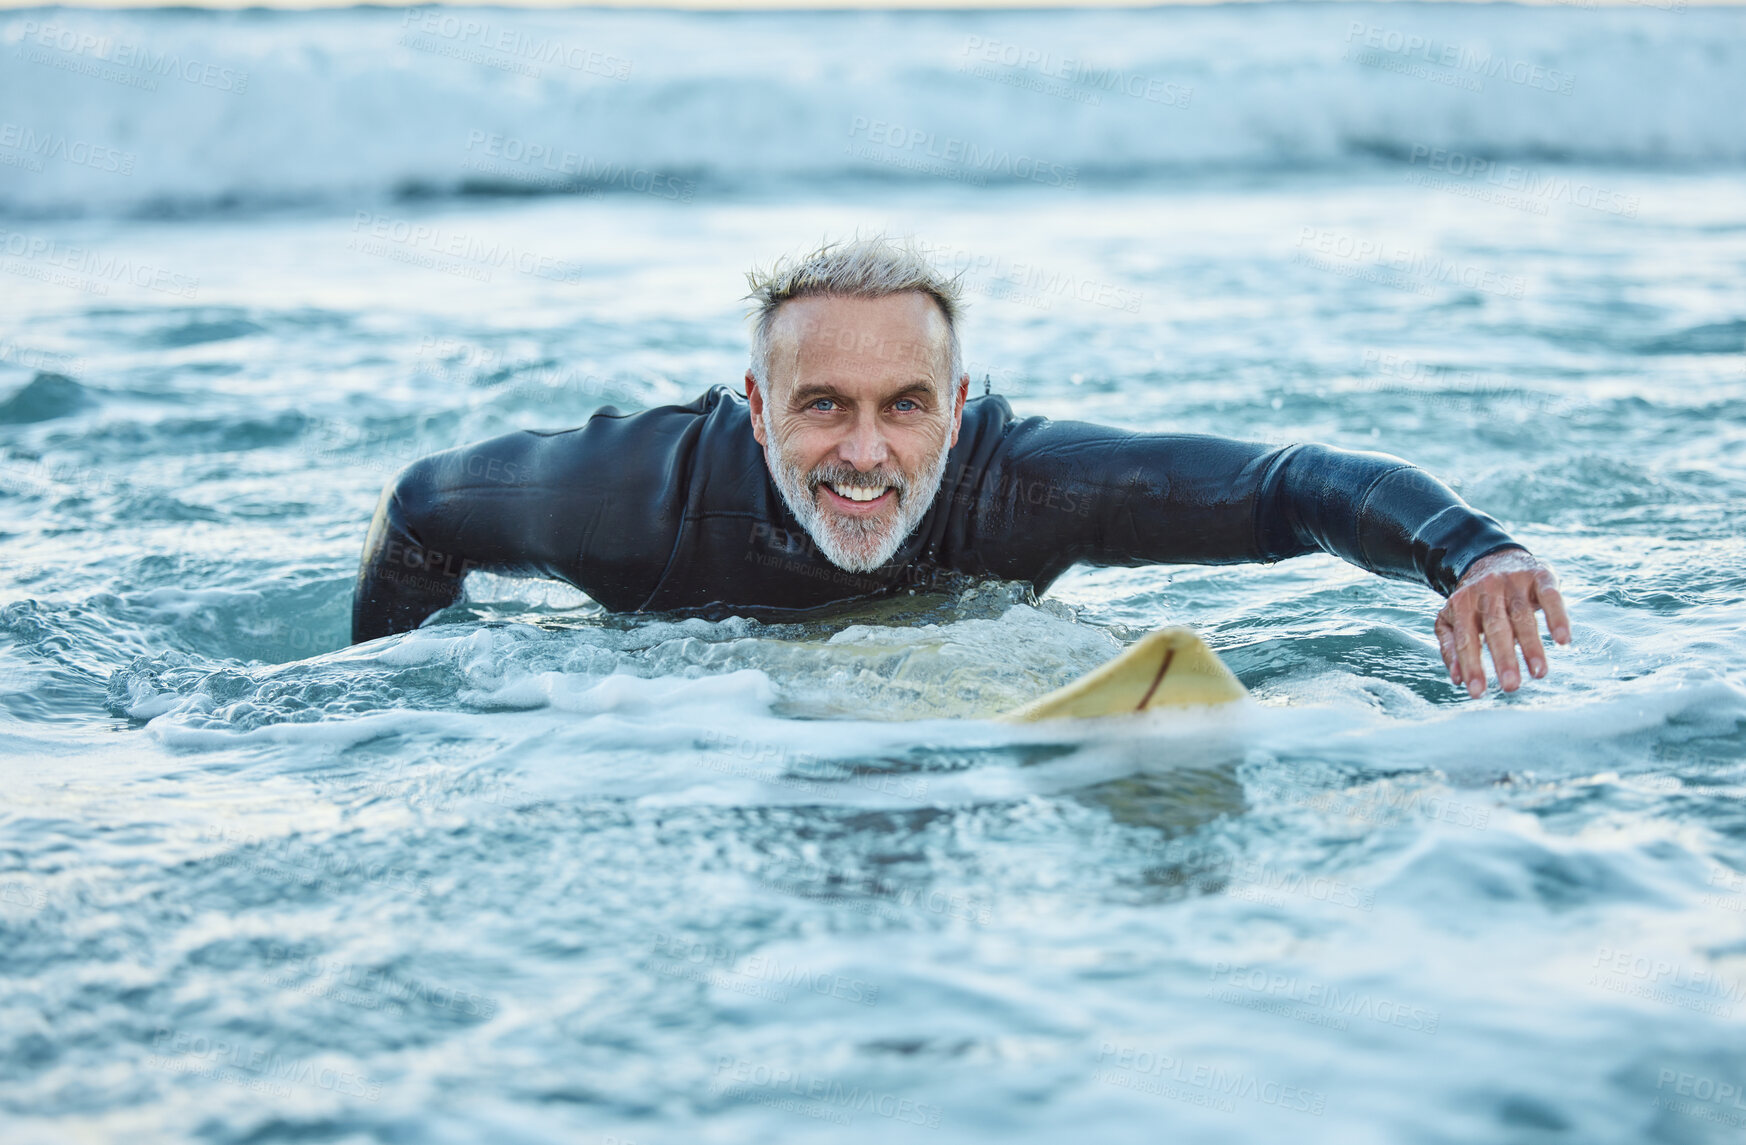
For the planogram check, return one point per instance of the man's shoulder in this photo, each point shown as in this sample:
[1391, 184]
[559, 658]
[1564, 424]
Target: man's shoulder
[717, 402]
[988, 412]
[655, 445]
[630, 456]
[993, 432]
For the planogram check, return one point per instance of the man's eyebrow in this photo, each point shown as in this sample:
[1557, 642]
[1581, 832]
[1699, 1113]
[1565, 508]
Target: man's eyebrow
[807, 391]
[812, 391]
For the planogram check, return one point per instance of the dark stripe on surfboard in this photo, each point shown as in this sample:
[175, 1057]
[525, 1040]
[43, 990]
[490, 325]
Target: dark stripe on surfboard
[1169, 655]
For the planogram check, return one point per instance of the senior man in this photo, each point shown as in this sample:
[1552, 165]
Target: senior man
[858, 465]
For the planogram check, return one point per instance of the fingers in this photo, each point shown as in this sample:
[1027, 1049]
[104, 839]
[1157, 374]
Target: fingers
[1502, 642]
[1467, 652]
[1446, 645]
[1497, 611]
[1527, 632]
[1547, 596]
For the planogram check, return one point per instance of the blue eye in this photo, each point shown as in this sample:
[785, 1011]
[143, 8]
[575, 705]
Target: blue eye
[901, 402]
[822, 402]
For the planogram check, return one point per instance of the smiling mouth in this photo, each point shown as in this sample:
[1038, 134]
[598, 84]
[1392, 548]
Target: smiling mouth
[857, 500]
[862, 493]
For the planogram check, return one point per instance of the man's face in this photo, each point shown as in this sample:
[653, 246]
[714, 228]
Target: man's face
[858, 418]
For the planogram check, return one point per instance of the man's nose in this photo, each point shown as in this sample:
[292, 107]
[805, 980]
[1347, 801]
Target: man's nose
[865, 447]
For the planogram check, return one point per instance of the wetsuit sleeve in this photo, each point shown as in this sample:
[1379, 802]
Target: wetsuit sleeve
[1196, 499]
[1374, 510]
[568, 505]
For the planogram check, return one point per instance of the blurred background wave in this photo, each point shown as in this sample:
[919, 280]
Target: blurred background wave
[188, 111]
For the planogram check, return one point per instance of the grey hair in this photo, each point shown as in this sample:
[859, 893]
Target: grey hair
[857, 268]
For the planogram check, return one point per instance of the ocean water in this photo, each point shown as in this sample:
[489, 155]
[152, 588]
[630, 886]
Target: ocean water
[538, 873]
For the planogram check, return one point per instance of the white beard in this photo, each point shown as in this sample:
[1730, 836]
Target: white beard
[853, 544]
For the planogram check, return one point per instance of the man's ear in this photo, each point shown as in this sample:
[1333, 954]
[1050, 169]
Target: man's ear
[958, 406]
[755, 399]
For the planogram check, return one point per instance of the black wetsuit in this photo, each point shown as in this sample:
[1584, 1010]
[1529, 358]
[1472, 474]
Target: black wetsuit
[674, 509]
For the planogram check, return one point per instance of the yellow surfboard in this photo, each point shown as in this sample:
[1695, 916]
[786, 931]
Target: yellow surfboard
[1169, 668]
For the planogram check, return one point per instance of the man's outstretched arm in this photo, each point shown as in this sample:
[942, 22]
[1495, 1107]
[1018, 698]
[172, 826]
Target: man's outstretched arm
[1372, 509]
[442, 517]
[582, 506]
[1393, 518]
[1197, 499]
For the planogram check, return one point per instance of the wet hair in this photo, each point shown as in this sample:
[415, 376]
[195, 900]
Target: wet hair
[874, 267]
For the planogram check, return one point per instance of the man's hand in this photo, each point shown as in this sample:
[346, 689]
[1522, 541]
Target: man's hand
[1496, 600]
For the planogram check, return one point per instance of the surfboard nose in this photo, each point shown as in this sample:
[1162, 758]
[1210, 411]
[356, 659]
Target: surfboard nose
[1169, 668]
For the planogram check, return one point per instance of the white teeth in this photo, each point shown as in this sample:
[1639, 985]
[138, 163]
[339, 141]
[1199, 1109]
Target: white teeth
[859, 492]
